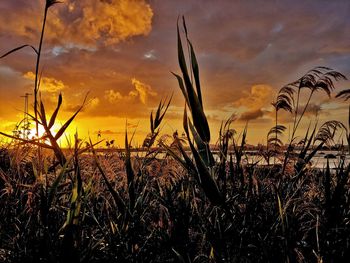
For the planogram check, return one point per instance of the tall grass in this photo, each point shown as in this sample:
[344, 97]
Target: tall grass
[78, 205]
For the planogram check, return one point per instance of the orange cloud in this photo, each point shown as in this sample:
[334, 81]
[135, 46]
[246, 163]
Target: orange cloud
[258, 97]
[50, 85]
[255, 102]
[81, 23]
[93, 103]
[113, 96]
[107, 21]
[142, 92]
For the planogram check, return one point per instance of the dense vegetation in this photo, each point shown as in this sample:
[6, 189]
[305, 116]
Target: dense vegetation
[76, 205]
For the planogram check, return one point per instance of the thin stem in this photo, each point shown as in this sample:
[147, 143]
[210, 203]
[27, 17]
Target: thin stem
[295, 126]
[274, 159]
[304, 110]
[36, 84]
[296, 110]
[292, 137]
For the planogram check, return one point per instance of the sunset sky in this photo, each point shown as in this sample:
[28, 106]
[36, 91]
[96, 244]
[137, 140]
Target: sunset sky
[122, 52]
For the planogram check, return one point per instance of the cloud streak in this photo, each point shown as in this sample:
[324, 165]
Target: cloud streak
[251, 115]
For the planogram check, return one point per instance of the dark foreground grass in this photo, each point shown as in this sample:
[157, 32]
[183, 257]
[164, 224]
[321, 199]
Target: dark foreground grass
[80, 206]
[266, 218]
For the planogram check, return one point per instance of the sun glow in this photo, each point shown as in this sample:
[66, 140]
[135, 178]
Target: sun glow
[62, 141]
[33, 134]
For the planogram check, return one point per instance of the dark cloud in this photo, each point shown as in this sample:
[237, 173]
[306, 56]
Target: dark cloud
[251, 115]
[106, 132]
[311, 110]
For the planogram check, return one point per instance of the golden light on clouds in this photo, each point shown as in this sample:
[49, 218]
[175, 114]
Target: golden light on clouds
[107, 21]
[93, 103]
[121, 52]
[47, 84]
[258, 97]
[113, 96]
[82, 23]
[144, 90]
[141, 93]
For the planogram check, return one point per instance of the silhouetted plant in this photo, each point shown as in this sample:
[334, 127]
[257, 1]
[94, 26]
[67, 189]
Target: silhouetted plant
[288, 99]
[48, 4]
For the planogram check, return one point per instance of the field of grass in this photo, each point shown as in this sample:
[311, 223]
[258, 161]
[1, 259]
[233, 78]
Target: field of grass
[82, 206]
